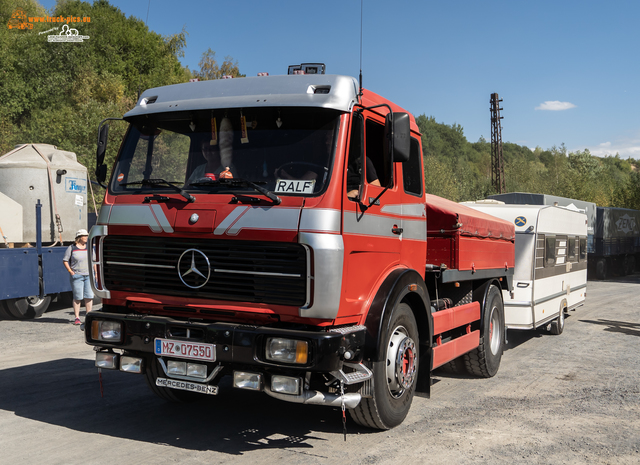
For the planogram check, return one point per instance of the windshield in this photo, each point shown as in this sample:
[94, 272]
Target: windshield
[288, 151]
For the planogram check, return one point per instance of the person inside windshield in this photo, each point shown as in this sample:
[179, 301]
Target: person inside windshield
[218, 162]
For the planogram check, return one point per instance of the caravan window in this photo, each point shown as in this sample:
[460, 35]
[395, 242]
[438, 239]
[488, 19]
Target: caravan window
[571, 250]
[524, 254]
[550, 251]
[561, 250]
[540, 251]
[583, 248]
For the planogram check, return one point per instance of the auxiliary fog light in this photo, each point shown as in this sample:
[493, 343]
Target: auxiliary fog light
[244, 380]
[131, 364]
[197, 370]
[108, 331]
[107, 360]
[176, 368]
[285, 384]
[279, 349]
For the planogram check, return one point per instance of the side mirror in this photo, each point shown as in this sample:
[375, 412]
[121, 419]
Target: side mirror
[103, 135]
[398, 128]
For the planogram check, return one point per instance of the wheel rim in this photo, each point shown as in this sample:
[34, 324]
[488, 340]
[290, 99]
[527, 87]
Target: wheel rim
[494, 331]
[561, 319]
[401, 362]
[34, 300]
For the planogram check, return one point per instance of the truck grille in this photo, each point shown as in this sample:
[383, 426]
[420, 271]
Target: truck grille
[245, 271]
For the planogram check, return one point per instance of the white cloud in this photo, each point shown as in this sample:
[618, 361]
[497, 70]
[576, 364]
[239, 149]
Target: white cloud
[625, 148]
[555, 105]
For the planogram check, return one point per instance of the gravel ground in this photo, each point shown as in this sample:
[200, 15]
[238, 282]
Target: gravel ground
[571, 399]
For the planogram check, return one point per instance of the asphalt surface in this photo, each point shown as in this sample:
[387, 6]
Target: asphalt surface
[572, 398]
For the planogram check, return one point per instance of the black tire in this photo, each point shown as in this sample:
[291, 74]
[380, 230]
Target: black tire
[27, 308]
[393, 384]
[484, 361]
[154, 371]
[455, 366]
[557, 325]
[5, 314]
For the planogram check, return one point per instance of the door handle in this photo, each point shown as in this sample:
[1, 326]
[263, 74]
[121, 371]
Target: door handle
[396, 230]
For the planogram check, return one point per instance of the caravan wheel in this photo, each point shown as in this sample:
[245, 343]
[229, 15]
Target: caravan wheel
[557, 325]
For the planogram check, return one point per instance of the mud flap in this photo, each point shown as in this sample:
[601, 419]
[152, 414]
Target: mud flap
[423, 387]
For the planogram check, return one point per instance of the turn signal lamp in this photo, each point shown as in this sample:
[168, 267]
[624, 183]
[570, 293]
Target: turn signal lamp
[279, 349]
[107, 331]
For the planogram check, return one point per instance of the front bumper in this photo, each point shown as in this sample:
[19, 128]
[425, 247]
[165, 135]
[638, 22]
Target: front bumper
[236, 345]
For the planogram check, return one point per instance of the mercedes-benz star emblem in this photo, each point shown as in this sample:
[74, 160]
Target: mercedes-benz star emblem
[194, 269]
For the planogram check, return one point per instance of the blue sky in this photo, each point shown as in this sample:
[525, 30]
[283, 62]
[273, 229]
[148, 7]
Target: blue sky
[568, 71]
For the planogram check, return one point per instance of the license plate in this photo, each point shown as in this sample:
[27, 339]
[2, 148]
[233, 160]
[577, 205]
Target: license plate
[187, 386]
[182, 349]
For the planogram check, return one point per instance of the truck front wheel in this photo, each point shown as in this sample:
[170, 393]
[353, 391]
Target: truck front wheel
[394, 377]
[484, 361]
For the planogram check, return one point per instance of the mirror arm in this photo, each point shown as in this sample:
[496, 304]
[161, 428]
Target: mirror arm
[373, 202]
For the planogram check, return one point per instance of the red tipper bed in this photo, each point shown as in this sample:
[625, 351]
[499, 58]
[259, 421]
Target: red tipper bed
[465, 239]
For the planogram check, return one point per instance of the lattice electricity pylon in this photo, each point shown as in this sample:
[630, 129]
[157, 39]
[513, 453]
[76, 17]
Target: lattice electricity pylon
[497, 161]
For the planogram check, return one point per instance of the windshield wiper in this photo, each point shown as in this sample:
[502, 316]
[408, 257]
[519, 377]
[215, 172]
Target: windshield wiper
[161, 182]
[237, 182]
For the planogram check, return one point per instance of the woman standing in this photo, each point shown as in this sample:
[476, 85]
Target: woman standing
[76, 261]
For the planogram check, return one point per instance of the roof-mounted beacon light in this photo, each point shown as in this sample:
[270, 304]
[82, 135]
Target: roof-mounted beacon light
[263, 74]
[307, 68]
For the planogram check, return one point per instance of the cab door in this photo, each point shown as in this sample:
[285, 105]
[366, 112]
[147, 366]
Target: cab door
[372, 229]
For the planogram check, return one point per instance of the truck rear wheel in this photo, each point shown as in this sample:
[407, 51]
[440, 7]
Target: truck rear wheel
[394, 377]
[484, 361]
[27, 308]
[153, 372]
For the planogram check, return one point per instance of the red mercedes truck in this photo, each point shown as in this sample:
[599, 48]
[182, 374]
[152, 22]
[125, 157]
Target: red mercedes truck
[276, 230]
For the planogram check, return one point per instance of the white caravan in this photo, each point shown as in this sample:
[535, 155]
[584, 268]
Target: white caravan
[550, 275]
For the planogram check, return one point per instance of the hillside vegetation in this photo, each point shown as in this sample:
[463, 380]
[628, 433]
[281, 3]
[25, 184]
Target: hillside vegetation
[57, 93]
[461, 170]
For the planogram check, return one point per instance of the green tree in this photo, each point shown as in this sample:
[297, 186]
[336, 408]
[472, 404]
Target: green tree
[209, 68]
